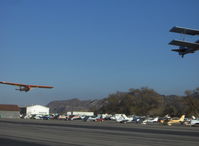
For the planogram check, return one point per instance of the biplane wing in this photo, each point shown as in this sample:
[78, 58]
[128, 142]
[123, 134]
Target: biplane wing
[194, 46]
[179, 50]
[184, 30]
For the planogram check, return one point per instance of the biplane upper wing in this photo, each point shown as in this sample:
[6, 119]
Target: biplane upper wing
[190, 45]
[184, 30]
[15, 84]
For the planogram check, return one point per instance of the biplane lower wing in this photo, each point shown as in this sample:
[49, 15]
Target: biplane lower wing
[184, 30]
[190, 45]
[179, 50]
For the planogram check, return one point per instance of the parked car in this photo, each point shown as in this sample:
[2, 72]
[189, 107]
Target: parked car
[46, 117]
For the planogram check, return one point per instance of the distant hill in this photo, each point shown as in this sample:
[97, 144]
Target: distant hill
[63, 106]
[144, 101]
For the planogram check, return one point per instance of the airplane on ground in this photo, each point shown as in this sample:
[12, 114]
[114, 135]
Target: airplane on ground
[150, 120]
[185, 47]
[94, 118]
[122, 118]
[24, 87]
[174, 121]
[194, 122]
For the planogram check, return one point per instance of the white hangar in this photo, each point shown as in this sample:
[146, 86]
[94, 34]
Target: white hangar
[35, 110]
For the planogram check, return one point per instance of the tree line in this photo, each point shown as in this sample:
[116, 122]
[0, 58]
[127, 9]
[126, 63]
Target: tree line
[146, 101]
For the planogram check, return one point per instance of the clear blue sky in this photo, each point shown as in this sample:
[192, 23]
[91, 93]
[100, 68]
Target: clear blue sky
[89, 49]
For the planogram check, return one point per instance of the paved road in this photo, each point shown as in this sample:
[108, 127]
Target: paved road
[78, 133]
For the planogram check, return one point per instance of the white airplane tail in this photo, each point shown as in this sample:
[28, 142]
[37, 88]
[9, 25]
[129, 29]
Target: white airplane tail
[156, 119]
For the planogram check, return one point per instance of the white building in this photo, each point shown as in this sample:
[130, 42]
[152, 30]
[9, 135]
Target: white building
[79, 113]
[37, 110]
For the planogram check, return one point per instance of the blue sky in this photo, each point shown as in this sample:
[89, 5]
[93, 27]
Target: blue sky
[89, 49]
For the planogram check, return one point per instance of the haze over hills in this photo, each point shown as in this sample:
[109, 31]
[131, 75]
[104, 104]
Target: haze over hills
[74, 104]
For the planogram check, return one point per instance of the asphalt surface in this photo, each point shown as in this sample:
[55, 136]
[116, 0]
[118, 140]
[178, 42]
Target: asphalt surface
[14, 132]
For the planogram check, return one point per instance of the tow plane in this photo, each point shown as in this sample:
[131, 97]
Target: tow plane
[184, 46]
[24, 87]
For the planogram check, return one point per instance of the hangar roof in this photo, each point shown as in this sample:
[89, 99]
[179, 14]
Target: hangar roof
[9, 107]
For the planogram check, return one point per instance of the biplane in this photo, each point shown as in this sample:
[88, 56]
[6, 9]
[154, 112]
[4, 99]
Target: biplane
[184, 46]
[24, 87]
